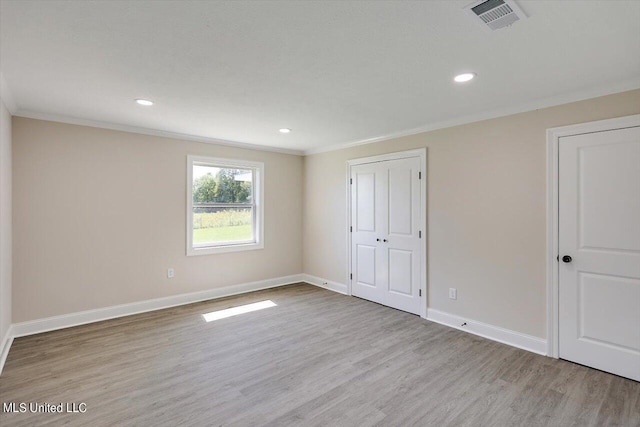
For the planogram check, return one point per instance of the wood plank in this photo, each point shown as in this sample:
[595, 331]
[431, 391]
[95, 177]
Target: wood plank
[317, 358]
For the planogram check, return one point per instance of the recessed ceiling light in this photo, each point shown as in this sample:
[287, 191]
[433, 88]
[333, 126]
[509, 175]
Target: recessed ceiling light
[465, 77]
[144, 102]
[285, 130]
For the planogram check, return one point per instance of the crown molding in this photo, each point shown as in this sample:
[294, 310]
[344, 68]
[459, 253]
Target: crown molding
[617, 87]
[7, 96]
[153, 132]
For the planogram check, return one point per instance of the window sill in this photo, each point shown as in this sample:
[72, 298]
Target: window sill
[224, 249]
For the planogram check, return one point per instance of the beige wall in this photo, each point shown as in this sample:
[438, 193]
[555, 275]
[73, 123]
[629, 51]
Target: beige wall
[99, 216]
[486, 209]
[5, 221]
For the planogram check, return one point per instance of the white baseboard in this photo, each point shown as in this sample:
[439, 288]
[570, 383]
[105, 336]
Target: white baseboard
[327, 284]
[5, 345]
[495, 333]
[80, 318]
[505, 336]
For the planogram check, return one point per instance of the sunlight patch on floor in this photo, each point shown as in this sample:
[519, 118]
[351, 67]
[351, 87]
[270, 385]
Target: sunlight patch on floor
[234, 311]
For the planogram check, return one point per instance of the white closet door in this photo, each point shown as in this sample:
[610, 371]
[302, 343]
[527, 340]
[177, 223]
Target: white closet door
[368, 201]
[385, 241]
[403, 247]
[599, 243]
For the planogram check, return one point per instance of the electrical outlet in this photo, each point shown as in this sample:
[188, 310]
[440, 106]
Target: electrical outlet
[171, 273]
[453, 293]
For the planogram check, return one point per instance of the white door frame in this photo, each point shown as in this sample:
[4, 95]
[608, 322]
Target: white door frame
[422, 154]
[553, 204]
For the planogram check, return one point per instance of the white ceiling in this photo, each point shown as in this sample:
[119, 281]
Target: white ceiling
[334, 72]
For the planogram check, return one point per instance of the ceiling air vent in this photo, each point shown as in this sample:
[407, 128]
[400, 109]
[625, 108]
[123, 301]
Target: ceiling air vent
[496, 14]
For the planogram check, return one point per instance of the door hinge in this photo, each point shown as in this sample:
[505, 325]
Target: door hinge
[420, 292]
[420, 234]
[419, 175]
[350, 180]
[350, 229]
[351, 276]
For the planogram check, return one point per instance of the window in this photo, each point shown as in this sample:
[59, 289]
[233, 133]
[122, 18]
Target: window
[224, 205]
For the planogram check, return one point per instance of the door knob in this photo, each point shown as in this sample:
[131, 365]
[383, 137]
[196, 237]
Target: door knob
[377, 240]
[384, 240]
[566, 258]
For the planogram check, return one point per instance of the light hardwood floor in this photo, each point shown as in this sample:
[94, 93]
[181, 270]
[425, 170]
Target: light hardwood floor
[317, 358]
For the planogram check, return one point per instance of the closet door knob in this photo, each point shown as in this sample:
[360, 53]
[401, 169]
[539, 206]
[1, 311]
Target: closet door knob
[384, 240]
[566, 258]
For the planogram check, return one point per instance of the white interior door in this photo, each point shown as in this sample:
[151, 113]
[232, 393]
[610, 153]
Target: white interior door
[368, 219]
[599, 246]
[402, 248]
[386, 247]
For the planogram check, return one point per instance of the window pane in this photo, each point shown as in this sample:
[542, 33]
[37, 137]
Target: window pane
[222, 185]
[213, 225]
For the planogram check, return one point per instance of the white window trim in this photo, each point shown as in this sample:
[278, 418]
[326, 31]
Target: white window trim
[258, 199]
